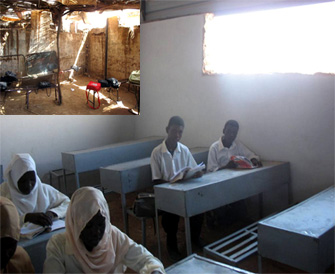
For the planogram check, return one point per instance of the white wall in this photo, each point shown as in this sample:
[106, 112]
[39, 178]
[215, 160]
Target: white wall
[45, 137]
[282, 117]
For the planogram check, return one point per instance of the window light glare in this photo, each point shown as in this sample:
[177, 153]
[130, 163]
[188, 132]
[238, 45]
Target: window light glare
[289, 40]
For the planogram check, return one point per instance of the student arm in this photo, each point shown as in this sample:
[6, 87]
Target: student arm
[142, 261]
[212, 162]
[244, 151]
[138, 258]
[58, 202]
[55, 252]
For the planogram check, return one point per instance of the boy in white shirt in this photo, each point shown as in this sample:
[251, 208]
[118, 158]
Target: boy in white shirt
[221, 151]
[219, 158]
[166, 160]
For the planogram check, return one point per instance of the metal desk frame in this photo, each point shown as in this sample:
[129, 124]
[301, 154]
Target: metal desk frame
[217, 189]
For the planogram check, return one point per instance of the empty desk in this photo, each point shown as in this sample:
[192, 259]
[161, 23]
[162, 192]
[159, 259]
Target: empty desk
[195, 264]
[301, 236]
[94, 158]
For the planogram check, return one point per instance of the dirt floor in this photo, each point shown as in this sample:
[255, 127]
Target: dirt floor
[73, 101]
[209, 234]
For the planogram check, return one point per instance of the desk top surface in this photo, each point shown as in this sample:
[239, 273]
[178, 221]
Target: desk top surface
[144, 161]
[115, 145]
[197, 264]
[217, 177]
[312, 217]
[39, 238]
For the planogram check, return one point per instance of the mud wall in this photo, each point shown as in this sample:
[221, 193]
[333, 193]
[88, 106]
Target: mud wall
[123, 51]
[38, 37]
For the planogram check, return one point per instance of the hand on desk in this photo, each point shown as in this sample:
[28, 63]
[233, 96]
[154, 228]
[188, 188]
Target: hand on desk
[40, 218]
[198, 174]
[231, 164]
[256, 163]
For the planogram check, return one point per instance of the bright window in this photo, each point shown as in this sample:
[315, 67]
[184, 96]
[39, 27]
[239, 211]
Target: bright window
[288, 40]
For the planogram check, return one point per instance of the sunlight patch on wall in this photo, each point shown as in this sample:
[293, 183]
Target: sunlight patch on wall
[91, 20]
[289, 40]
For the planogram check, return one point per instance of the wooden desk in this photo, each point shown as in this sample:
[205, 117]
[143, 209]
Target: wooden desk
[36, 248]
[94, 158]
[217, 189]
[134, 176]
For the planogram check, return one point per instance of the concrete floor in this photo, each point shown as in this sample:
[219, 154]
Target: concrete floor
[209, 234]
[73, 101]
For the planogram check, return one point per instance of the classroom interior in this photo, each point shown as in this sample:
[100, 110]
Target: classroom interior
[282, 117]
[68, 44]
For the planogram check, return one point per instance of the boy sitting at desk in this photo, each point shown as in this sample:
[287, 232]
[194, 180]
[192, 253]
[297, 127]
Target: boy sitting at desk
[219, 157]
[220, 152]
[166, 160]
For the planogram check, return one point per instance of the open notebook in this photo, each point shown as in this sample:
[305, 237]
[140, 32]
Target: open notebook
[30, 230]
[190, 173]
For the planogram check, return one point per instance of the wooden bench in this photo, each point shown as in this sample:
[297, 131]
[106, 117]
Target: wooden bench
[301, 236]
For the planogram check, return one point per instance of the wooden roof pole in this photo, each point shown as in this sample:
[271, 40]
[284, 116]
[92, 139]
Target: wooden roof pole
[59, 25]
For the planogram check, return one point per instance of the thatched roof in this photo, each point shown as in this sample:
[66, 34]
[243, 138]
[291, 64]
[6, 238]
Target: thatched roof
[67, 5]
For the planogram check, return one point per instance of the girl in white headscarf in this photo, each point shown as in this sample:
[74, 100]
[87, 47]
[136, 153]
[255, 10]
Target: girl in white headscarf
[35, 202]
[91, 244]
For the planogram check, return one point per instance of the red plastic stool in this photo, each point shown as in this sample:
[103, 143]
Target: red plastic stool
[95, 87]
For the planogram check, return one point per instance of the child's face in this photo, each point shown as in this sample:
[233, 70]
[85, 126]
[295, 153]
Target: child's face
[93, 231]
[27, 182]
[230, 133]
[8, 247]
[175, 133]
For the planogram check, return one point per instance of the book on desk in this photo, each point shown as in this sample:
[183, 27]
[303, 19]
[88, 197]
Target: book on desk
[188, 172]
[30, 230]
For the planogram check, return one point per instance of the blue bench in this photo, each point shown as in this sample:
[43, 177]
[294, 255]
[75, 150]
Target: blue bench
[94, 158]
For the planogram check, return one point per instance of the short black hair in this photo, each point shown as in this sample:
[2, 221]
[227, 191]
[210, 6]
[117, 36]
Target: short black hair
[232, 123]
[177, 121]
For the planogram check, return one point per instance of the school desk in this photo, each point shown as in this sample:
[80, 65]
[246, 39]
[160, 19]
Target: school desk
[92, 159]
[134, 176]
[216, 189]
[36, 248]
[198, 264]
[301, 236]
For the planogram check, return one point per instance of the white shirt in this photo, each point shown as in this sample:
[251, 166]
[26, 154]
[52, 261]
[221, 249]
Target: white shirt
[219, 155]
[60, 258]
[57, 201]
[164, 165]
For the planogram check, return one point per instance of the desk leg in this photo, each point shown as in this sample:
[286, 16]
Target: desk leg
[77, 179]
[65, 183]
[158, 235]
[188, 236]
[260, 204]
[124, 212]
[259, 263]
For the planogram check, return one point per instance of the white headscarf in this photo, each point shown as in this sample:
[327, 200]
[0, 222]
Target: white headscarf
[106, 256]
[37, 200]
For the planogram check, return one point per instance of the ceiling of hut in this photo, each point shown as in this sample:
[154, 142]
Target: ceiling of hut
[15, 11]
[7, 7]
